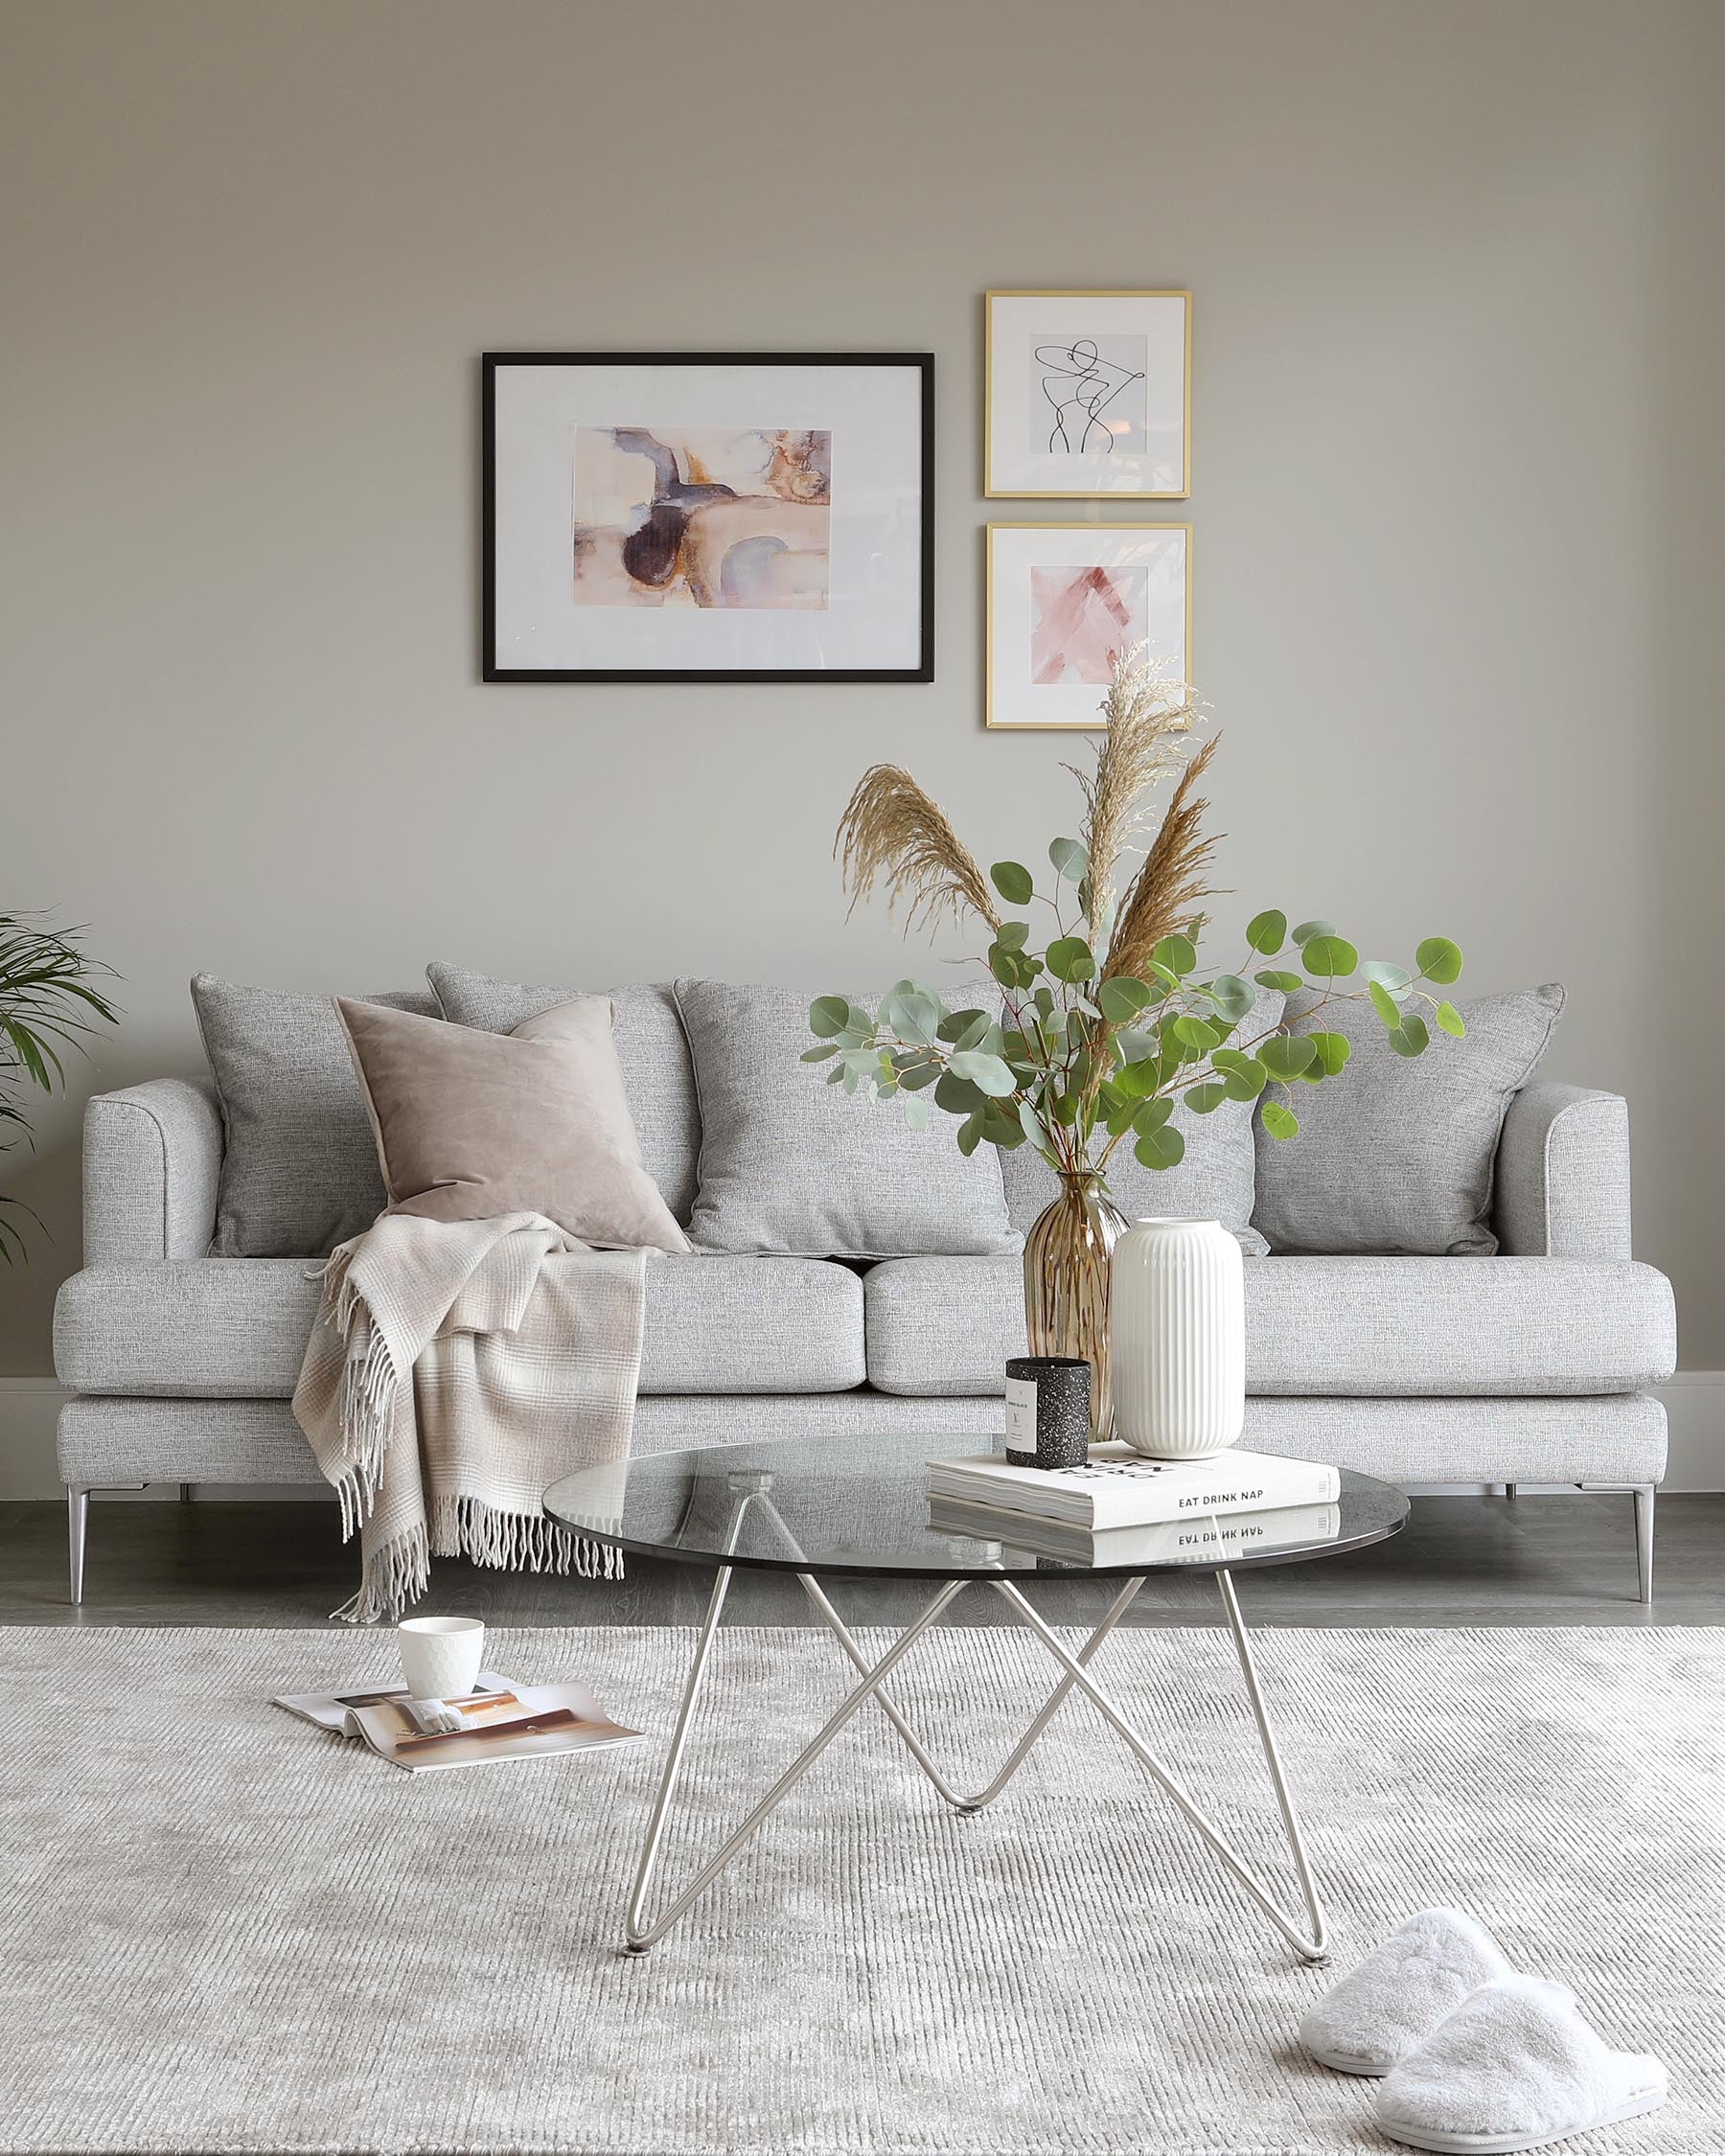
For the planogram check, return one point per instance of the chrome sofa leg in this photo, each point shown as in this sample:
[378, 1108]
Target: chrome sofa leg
[1644, 1494]
[77, 1518]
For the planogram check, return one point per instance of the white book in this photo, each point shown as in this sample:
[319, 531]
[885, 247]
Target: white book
[1200, 1540]
[1120, 1488]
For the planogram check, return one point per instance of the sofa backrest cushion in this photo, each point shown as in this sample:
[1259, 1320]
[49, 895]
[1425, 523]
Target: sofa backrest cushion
[651, 1048]
[299, 1170]
[472, 1124]
[1398, 1154]
[1215, 1178]
[796, 1167]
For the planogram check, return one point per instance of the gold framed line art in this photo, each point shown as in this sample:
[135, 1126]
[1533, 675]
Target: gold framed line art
[1088, 394]
[1064, 598]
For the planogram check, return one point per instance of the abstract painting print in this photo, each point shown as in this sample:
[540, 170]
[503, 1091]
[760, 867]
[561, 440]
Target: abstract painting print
[1065, 600]
[1086, 396]
[708, 517]
[1081, 618]
[702, 517]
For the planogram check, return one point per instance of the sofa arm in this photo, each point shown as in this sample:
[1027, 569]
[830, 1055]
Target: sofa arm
[151, 1166]
[1563, 1174]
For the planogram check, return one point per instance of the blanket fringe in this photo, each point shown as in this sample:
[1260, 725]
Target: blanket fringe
[397, 1573]
[400, 1572]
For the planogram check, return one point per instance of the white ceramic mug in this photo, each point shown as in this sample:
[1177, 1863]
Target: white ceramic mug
[441, 1655]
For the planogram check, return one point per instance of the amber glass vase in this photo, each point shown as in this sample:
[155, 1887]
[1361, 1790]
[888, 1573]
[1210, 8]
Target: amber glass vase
[1066, 1256]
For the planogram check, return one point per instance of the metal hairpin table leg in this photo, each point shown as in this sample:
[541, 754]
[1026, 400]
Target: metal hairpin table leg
[1310, 1946]
[641, 1930]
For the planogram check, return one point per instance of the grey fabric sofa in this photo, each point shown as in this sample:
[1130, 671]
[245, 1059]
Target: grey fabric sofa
[1529, 1366]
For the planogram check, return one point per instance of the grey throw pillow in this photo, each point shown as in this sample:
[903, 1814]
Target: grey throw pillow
[299, 1171]
[652, 1050]
[794, 1166]
[1398, 1154]
[1216, 1178]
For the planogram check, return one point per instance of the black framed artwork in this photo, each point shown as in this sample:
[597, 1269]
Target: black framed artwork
[708, 517]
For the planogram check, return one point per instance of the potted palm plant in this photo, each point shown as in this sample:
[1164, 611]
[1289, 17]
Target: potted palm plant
[47, 1004]
[1111, 1031]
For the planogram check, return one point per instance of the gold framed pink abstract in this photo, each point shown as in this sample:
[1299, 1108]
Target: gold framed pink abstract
[1065, 599]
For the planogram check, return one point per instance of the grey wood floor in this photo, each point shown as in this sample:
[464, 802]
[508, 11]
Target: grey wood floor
[1558, 1559]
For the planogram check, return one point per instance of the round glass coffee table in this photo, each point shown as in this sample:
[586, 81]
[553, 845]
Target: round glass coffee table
[859, 1508]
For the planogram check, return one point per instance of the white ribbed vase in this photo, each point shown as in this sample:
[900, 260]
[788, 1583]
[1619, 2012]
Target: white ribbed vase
[1177, 1349]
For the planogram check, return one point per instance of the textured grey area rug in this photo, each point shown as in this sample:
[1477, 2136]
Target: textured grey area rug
[227, 1932]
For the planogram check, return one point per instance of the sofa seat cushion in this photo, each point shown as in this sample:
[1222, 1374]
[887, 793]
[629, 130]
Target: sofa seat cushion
[236, 1329]
[1371, 1327]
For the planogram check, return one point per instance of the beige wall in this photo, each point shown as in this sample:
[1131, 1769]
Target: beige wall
[1457, 456]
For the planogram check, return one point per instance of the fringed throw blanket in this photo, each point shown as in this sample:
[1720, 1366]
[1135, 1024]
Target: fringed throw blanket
[455, 1370]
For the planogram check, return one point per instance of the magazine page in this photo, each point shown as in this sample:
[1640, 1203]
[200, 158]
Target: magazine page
[525, 1722]
[329, 1710]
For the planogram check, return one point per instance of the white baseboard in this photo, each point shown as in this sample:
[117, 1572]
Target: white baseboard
[1694, 1403]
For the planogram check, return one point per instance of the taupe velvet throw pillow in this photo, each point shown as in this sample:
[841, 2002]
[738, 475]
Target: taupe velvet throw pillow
[472, 1124]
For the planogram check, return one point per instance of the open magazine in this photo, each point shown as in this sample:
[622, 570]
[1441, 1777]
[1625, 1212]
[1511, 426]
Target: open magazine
[499, 1720]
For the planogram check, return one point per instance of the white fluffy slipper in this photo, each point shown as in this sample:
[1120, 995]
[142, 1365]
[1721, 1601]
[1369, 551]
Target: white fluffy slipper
[1514, 2068]
[1400, 1993]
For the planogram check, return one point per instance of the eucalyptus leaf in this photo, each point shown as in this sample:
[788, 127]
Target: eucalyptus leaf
[916, 1112]
[1411, 1037]
[1266, 932]
[1177, 954]
[1333, 1050]
[988, 1073]
[1163, 1148]
[1395, 978]
[1206, 1098]
[1122, 997]
[1285, 1055]
[1069, 958]
[957, 1024]
[1151, 1117]
[1070, 860]
[1244, 1075]
[1013, 935]
[1440, 960]
[1329, 956]
[1231, 996]
[822, 1053]
[1385, 1005]
[1280, 1122]
[1012, 881]
[958, 1095]
[828, 1015]
[1195, 1033]
[970, 1133]
[1450, 1021]
[1275, 977]
[1138, 1081]
[1307, 930]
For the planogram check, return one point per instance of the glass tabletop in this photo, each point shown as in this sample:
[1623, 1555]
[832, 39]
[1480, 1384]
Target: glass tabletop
[862, 1507]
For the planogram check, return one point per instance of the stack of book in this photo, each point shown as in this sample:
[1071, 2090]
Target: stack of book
[1124, 1509]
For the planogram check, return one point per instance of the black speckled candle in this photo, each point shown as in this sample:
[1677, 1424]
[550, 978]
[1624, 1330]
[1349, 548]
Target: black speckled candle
[1048, 1411]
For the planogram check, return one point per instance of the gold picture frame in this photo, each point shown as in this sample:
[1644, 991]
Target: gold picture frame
[1090, 316]
[1073, 707]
